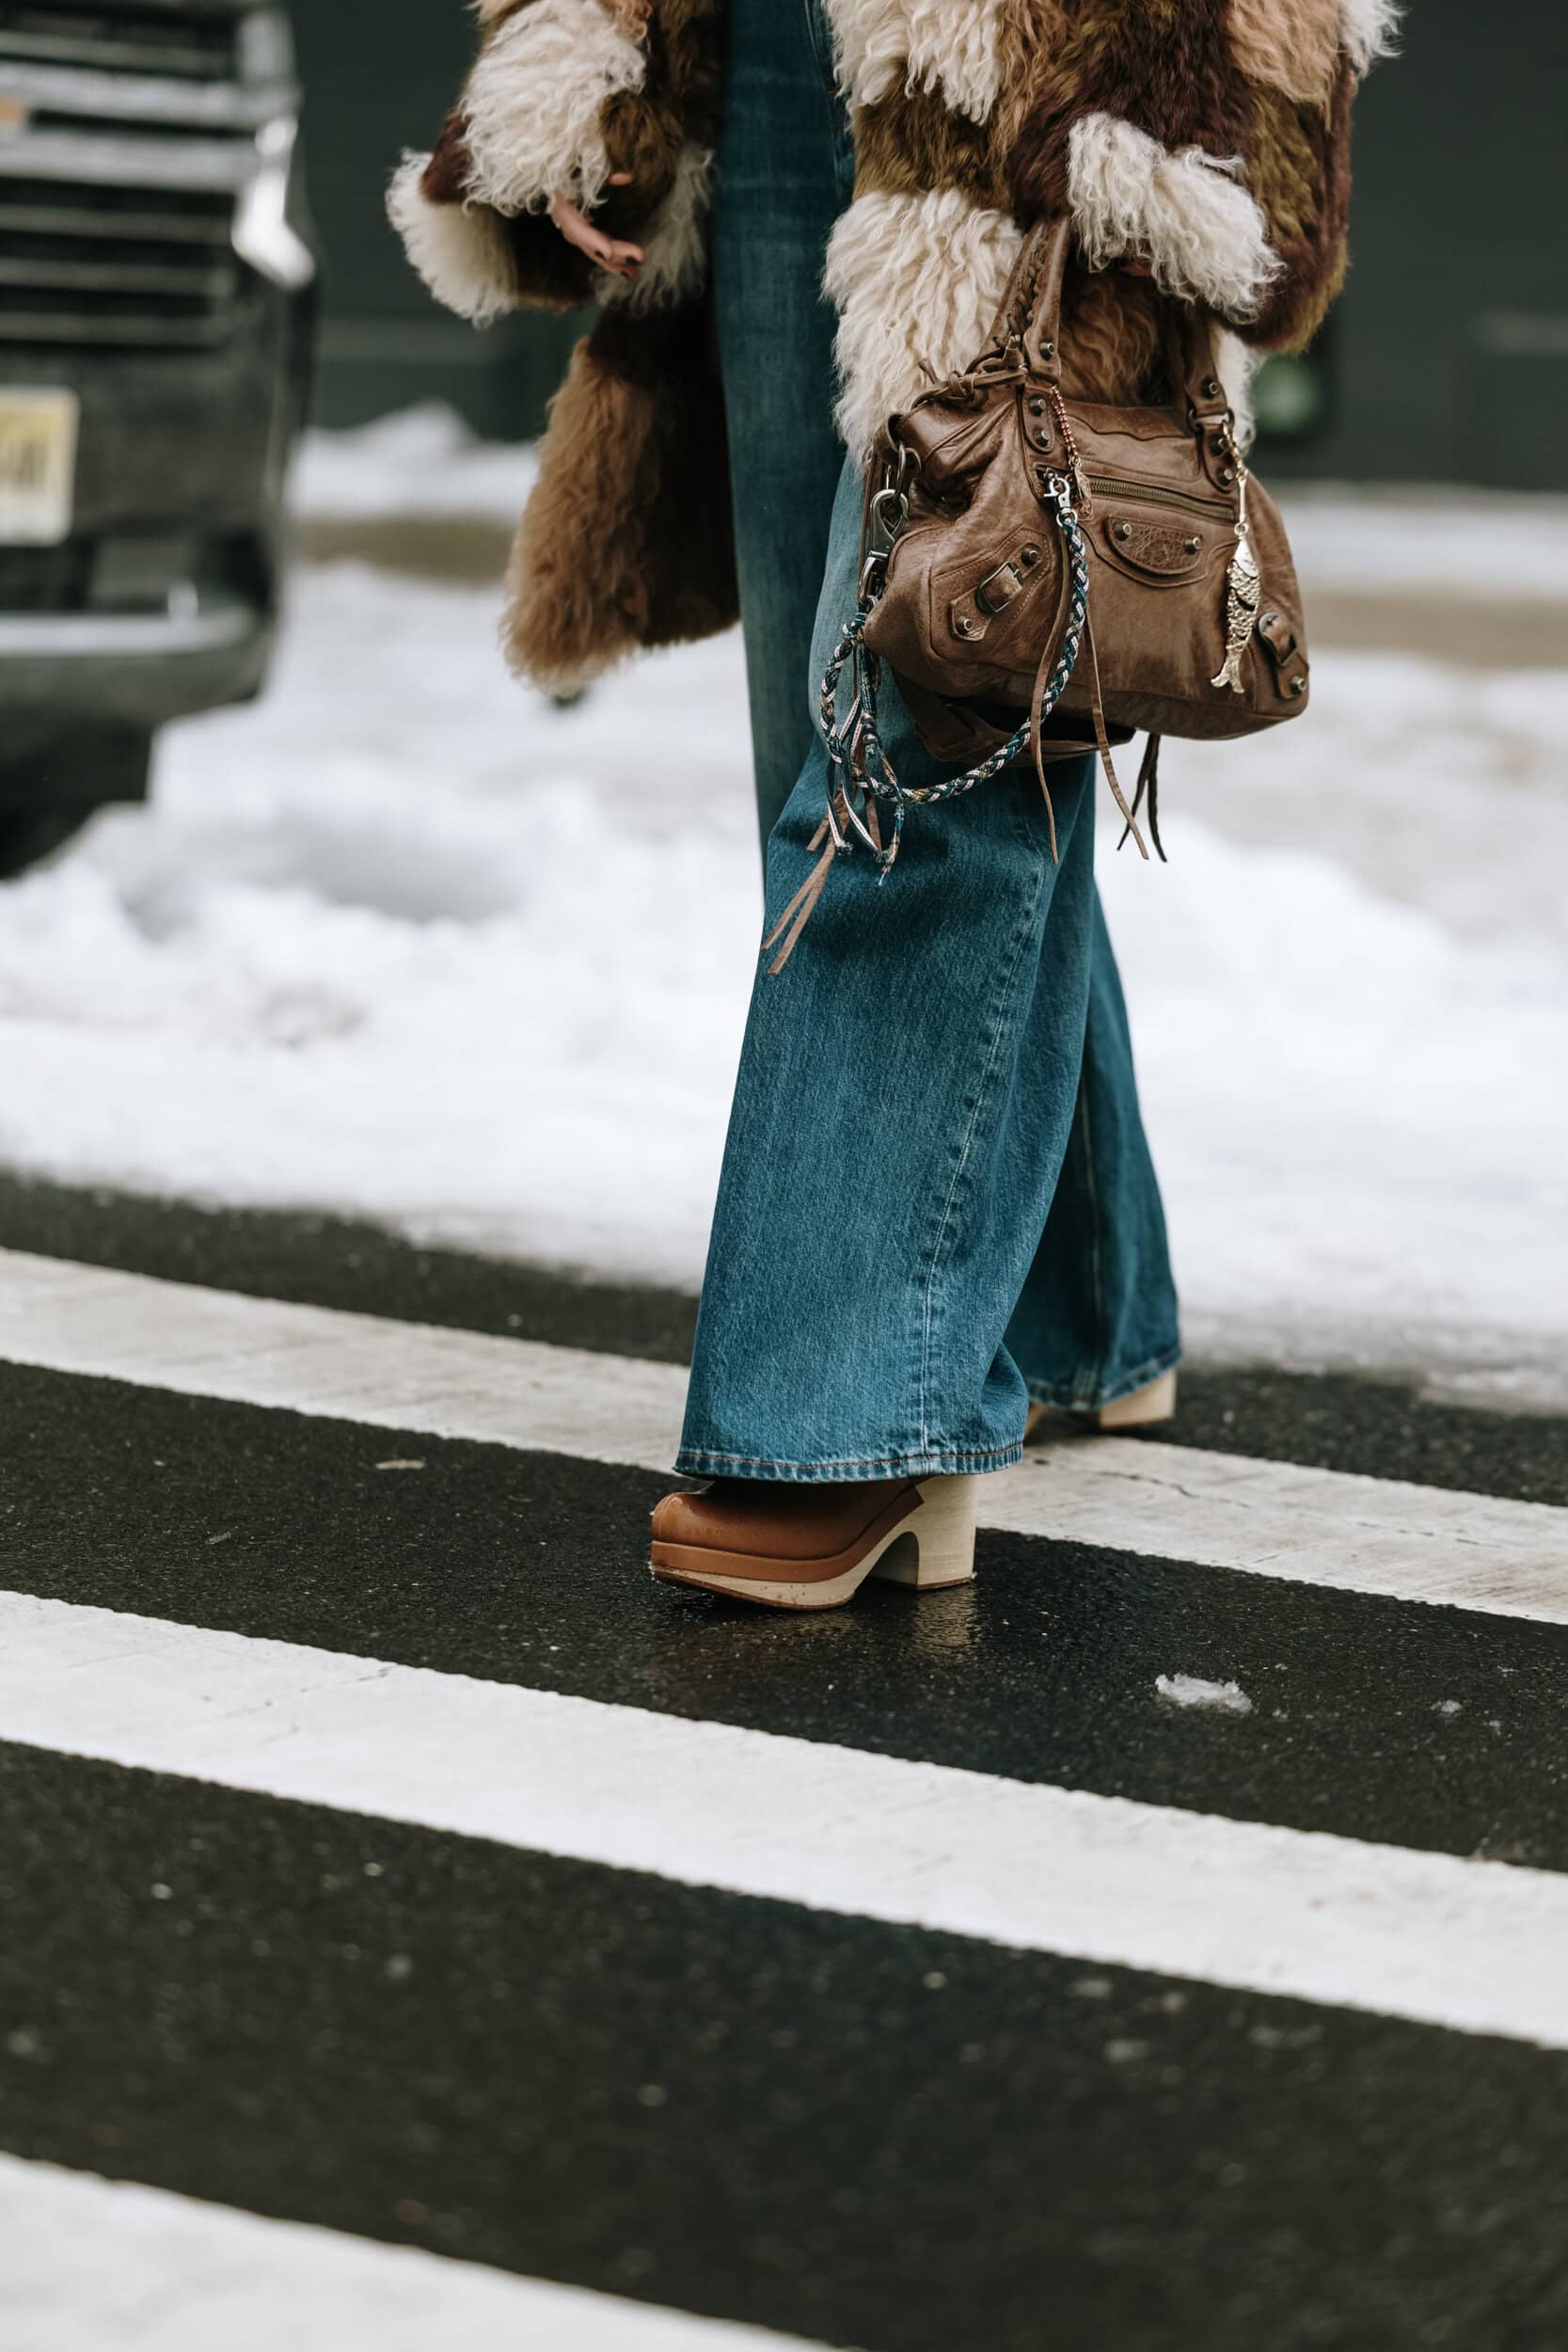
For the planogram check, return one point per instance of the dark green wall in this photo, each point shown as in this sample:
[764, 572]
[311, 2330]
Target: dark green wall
[378, 77]
[1449, 349]
[1449, 355]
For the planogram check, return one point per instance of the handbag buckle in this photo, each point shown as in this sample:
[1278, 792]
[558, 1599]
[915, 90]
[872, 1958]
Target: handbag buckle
[997, 591]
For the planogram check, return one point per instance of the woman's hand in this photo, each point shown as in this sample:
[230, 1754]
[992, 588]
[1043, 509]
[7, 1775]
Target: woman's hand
[610, 253]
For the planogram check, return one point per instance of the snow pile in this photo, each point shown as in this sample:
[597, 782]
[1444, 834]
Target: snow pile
[1448, 542]
[409, 942]
[1216, 1698]
[1354, 1056]
[422, 461]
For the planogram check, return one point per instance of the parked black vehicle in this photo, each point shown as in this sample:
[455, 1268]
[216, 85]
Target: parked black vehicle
[156, 306]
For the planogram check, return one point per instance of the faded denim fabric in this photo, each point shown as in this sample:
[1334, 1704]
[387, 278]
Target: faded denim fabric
[787, 171]
[937, 1198]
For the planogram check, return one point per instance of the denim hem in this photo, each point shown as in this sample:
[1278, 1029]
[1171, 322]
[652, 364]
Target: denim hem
[1076, 1400]
[691, 1463]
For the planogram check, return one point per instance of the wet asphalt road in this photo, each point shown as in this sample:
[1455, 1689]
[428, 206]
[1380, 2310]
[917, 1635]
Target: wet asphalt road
[1379, 1428]
[865, 2134]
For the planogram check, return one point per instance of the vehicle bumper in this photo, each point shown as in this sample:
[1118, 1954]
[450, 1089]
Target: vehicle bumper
[132, 668]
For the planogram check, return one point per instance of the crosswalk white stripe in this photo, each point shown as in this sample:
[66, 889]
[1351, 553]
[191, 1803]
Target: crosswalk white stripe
[167, 2274]
[1263, 1518]
[1477, 1946]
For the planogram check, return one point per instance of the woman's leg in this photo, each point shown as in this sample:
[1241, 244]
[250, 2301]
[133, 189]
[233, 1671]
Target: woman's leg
[785, 173]
[1098, 1316]
[907, 1093]
[1094, 1300]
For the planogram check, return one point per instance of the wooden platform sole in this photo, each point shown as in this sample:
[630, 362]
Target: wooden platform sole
[926, 1543]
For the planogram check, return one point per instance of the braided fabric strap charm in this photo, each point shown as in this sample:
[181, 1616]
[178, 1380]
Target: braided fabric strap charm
[860, 775]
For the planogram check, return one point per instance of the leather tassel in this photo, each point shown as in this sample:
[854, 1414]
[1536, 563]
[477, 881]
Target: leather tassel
[1102, 738]
[1151, 769]
[1036, 731]
[1149, 787]
[803, 905]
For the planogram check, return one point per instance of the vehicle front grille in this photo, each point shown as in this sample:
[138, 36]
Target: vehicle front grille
[46, 579]
[85, 264]
[183, 43]
[129, 143]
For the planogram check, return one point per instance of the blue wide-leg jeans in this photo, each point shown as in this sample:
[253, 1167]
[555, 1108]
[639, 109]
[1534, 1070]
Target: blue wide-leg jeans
[936, 1199]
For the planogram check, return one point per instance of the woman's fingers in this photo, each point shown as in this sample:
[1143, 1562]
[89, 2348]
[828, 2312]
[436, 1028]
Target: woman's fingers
[610, 253]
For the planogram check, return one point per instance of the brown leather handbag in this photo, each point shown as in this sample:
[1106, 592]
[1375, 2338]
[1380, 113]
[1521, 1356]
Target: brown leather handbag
[1046, 576]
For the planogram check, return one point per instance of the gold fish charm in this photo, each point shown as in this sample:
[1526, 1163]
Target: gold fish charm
[1243, 594]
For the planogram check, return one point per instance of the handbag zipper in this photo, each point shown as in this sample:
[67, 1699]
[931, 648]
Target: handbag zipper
[1111, 486]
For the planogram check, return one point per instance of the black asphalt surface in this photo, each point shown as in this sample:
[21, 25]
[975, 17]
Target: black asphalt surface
[531, 1568]
[872, 2135]
[866, 2135]
[1379, 1428]
[337, 1262]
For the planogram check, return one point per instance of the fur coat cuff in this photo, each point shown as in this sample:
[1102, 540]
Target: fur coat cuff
[565, 97]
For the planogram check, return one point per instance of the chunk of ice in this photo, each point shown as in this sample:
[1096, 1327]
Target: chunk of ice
[1227, 1699]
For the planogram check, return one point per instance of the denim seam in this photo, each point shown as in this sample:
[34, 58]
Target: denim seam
[1000, 1001]
[1095, 1371]
[838, 140]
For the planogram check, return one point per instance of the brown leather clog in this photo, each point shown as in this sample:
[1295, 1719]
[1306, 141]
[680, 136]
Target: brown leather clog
[812, 1547]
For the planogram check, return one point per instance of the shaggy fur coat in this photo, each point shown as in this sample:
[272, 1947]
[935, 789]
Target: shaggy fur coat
[1205, 140]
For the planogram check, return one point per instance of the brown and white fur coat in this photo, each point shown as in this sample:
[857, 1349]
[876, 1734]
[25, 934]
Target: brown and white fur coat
[1207, 141]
